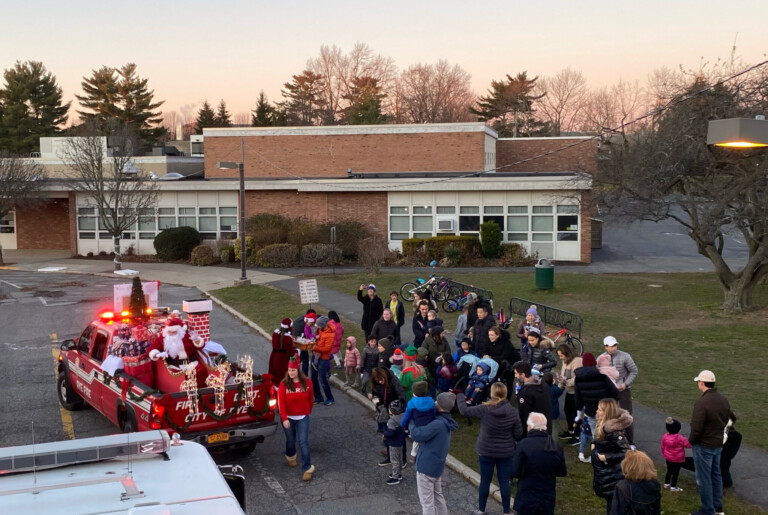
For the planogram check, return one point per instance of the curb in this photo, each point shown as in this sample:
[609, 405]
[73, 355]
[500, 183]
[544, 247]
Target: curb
[452, 463]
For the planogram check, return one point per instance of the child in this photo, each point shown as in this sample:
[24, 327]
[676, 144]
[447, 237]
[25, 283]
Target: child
[353, 362]
[461, 326]
[605, 367]
[585, 436]
[370, 361]
[673, 446]
[386, 351]
[555, 393]
[433, 320]
[465, 347]
[421, 408]
[397, 363]
[477, 383]
[394, 437]
[446, 370]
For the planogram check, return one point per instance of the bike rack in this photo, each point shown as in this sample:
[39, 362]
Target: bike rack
[549, 315]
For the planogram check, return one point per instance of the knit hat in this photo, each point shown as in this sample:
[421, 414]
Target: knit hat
[286, 323]
[396, 407]
[386, 343]
[532, 311]
[293, 363]
[372, 287]
[588, 360]
[322, 321]
[673, 426]
[438, 329]
[411, 352]
[352, 340]
[446, 401]
[397, 357]
[310, 317]
[420, 389]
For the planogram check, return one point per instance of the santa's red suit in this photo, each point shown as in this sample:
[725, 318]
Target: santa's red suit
[176, 346]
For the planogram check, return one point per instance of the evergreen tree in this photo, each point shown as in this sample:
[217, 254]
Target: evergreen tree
[120, 93]
[509, 106]
[205, 118]
[138, 301]
[222, 118]
[304, 104]
[365, 98]
[30, 107]
[264, 114]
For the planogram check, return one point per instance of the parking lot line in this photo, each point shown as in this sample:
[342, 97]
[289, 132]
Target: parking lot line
[66, 417]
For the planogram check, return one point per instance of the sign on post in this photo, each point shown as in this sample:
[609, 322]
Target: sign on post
[308, 291]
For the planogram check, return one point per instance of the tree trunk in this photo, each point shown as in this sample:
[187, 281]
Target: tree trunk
[1, 256]
[118, 258]
[737, 296]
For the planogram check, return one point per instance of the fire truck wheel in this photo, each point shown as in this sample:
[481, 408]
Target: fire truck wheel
[129, 426]
[68, 398]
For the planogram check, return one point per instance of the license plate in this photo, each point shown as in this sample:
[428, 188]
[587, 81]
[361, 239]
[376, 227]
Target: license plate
[218, 437]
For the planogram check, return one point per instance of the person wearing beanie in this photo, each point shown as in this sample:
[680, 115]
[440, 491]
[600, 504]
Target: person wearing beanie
[282, 350]
[397, 363]
[531, 321]
[412, 372]
[294, 401]
[308, 337]
[589, 388]
[673, 446]
[435, 345]
[434, 440]
[372, 307]
[386, 350]
[370, 361]
[420, 409]
[321, 366]
[353, 362]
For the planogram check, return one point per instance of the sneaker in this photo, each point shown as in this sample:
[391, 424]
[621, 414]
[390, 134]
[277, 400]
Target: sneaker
[405, 464]
[320, 401]
[572, 441]
[399, 477]
[582, 459]
[565, 435]
[675, 489]
[666, 485]
[394, 480]
[329, 402]
[346, 383]
[385, 463]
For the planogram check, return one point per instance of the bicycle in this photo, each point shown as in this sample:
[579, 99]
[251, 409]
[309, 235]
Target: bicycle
[451, 305]
[572, 341]
[442, 287]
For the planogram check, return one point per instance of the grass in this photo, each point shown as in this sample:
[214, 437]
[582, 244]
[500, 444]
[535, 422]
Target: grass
[672, 332]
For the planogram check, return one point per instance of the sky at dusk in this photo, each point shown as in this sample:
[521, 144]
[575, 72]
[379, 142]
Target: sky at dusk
[231, 49]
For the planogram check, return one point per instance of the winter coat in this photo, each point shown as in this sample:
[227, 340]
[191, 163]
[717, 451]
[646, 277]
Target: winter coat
[673, 447]
[419, 328]
[502, 349]
[338, 336]
[479, 381]
[542, 355]
[535, 397]
[434, 440]
[590, 386]
[637, 498]
[461, 327]
[392, 393]
[500, 427]
[394, 434]
[352, 358]
[537, 461]
[325, 339]
[522, 328]
[297, 327]
[472, 312]
[411, 374]
[613, 445]
[382, 329]
[568, 371]
[445, 374]
[710, 416]
[384, 361]
[372, 309]
[480, 339]
[434, 350]
[434, 323]
[282, 352]
[370, 358]
[398, 312]
[419, 410]
[625, 365]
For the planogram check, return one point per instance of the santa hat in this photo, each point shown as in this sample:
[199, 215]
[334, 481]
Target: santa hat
[173, 321]
[311, 317]
[286, 323]
[293, 364]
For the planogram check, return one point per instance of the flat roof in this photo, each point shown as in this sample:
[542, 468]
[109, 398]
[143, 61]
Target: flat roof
[349, 130]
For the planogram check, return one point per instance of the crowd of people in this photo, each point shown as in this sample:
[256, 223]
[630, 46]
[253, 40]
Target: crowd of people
[513, 391]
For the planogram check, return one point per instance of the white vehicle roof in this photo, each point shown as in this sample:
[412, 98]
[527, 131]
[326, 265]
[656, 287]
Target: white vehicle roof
[118, 474]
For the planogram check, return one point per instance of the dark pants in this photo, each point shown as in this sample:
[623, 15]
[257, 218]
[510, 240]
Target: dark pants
[673, 471]
[320, 379]
[569, 407]
[503, 467]
[625, 402]
[304, 358]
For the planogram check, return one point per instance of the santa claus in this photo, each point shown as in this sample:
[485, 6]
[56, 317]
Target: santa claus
[176, 344]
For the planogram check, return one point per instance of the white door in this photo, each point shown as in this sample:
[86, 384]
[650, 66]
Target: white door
[8, 232]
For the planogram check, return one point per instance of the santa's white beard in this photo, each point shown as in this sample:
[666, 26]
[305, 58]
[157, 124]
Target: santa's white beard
[173, 344]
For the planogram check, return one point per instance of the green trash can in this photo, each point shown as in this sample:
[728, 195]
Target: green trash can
[545, 274]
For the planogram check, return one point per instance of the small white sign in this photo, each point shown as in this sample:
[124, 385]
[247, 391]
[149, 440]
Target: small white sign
[308, 291]
[122, 294]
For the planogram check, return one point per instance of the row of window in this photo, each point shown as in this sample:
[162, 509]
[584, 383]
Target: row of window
[212, 223]
[6, 224]
[542, 223]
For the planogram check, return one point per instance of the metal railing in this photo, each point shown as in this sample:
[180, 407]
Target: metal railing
[549, 315]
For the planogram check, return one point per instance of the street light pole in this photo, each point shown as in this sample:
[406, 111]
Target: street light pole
[243, 281]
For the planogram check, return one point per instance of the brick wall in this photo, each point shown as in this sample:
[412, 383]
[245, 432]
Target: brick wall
[580, 158]
[43, 226]
[369, 208]
[332, 155]
[200, 323]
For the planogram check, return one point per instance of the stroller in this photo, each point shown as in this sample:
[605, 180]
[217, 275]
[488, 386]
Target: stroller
[466, 367]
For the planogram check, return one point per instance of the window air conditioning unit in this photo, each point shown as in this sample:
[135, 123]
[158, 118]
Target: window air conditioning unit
[446, 224]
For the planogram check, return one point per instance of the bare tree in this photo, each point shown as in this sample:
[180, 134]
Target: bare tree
[434, 93]
[20, 181]
[102, 169]
[563, 103]
[171, 120]
[242, 119]
[611, 108]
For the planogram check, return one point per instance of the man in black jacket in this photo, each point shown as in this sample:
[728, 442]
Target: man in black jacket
[372, 307]
[533, 396]
[480, 339]
[420, 324]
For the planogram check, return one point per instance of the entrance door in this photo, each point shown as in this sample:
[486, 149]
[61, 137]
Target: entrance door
[567, 245]
[8, 231]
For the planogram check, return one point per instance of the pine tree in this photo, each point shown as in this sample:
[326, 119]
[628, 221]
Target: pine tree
[365, 98]
[31, 107]
[222, 118]
[509, 106]
[304, 103]
[205, 118]
[138, 301]
[264, 114]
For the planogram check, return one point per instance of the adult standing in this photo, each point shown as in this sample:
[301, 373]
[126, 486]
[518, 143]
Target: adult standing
[500, 429]
[320, 370]
[710, 416]
[639, 492]
[610, 446]
[533, 395]
[372, 307]
[282, 350]
[567, 382]
[420, 324]
[294, 401]
[624, 363]
[398, 312]
[434, 439]
[385, 327]
[589, 388]
[436, 345]
[483, 324]
[538, 462]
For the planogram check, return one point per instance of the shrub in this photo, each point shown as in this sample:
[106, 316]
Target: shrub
[319, 254]
[227, 253]
[453, 254]
[90, 254]
[434, 247]
[267, 228]
[302, 232]
[413, 246]
[490, 238]
[176, 243]
[373, 253]
[349, 234]
[514, 254]
[203, 255]
[278, 255]
[250, 248]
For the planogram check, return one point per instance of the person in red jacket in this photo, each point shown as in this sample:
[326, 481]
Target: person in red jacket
[282, 350]
[294, 400]
[326, 334]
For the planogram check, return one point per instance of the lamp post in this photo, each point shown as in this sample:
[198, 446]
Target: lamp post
[738, 132]
[231, 165]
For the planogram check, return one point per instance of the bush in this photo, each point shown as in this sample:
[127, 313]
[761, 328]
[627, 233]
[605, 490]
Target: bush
[413, 246]
[319, 254]
[250, 248]
[302, 232]
[203, 255]
[373, 254]
[227, 253]
[514, 254]
[267, 228]
[453, 254]
[176, 243]
[349, 234]
[490, 238]
[278, 255]
[434, 247]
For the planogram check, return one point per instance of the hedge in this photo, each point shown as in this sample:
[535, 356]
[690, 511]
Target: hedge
[176, 243]
[413, 246]
[280, 255]
[434, 247]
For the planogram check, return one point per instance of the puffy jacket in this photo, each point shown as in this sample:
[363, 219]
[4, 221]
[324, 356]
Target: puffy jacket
[503, 349]
[434, 349]
[590, 386]
[393, 392]
[352, 358]
[500, 427]
[641, 498]
[372, 309]
[480, 339]
[325, 338]
[673, 447]
[542, 355]
[382, 329]
[614, 445]
[370, 358]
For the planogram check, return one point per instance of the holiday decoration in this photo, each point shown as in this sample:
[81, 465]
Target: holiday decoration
[217, 382]
[244, 376]
[189, 385]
